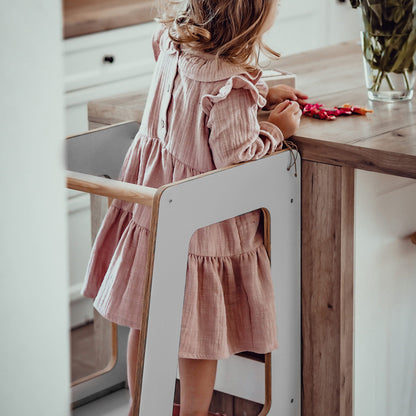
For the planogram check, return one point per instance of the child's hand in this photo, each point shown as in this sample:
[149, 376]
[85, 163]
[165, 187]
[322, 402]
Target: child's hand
[280, 93]
[286, 116]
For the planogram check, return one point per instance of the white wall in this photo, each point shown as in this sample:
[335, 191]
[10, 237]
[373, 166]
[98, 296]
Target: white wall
[34, 346]
[303, 25]
[385, 289]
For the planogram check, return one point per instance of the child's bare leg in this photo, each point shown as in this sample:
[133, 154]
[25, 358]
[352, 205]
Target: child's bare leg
[132, 349]
[197, 384]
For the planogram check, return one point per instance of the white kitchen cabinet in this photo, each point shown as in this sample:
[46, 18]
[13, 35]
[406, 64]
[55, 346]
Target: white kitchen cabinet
[105, 64]
[385, 292]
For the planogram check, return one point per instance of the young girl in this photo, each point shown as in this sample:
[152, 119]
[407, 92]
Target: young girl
[201, 114]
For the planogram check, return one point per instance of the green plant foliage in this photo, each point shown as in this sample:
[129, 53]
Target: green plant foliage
[389, 42]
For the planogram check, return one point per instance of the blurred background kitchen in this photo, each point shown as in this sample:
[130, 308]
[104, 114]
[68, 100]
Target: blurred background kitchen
[56, 58]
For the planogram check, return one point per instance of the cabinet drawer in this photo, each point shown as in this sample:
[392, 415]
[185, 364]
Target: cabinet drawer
[100, 58]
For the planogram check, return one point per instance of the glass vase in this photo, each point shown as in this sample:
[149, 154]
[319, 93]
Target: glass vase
[389, 66]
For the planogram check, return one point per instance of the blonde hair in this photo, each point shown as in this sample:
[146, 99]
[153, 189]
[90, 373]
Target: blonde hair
[229, 29]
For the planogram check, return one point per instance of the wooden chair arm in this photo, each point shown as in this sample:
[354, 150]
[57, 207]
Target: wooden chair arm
[111, 188]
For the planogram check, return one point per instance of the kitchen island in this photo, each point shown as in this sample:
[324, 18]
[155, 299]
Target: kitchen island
[351, 341]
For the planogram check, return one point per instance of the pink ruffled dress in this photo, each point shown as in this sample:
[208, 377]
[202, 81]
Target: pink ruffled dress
[200, 115]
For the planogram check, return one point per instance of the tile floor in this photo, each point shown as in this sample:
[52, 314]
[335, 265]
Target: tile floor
[114, 404]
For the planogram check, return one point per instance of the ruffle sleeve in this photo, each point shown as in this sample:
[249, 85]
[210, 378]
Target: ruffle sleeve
[235, 134]
[263, 88]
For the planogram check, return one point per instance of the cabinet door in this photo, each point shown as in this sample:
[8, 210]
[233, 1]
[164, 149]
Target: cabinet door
[343, 23]
[385, 293]
[296, 19]
[303, 25]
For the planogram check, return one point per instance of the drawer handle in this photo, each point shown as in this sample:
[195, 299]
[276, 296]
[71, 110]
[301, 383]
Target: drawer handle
[413, 238]
[108, 59]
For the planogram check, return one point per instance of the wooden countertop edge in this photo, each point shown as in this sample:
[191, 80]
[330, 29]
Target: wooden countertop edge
[80, 29]
[93, 17]
[355, 156]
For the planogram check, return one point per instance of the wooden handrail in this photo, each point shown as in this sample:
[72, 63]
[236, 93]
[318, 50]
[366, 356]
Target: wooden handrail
[111, 188]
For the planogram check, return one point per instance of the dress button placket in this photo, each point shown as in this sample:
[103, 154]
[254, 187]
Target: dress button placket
[171, 62]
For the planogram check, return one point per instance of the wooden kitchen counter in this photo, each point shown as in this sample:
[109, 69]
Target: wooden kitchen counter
[82, 17]
[385, 142]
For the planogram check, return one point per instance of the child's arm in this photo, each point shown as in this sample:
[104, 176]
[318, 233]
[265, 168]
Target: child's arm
[235, 133]
[286, 116]
[279, 93]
